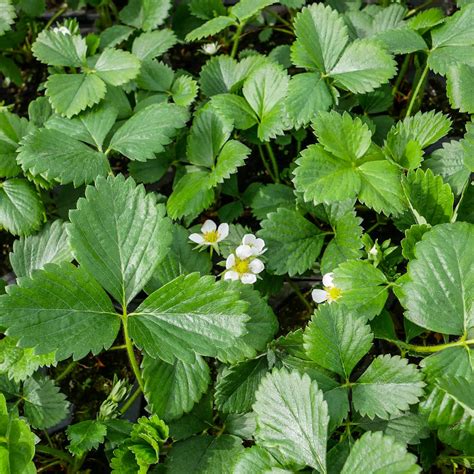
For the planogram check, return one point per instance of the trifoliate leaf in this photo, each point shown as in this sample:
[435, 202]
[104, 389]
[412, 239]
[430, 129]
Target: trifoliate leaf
[186, 316]
[269, 198]
[412, 236]
[153, 44]
[232, 156]
[141, 235]
[146, 133]
[204, 455]
[65, 301]
[265, 91]
[59, 49]
[116, 67]
[387, 388]
[145, 14]
[51, 245]
[72, 93]
[237, 384]
[210, 28]
[365, 456]
[257, 459]
[336, 339]
[21, 209]
[321, 38]
[308, 94]
[19, 363]
[292, 418]
[441, 277]
[44, 405]
[85, 436]
[54, 155]
[172, 389]
[459, 90]
[293, 242]
[246, 9]
[184, 91]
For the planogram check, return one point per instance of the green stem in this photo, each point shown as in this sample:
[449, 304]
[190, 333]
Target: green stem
[418, 8]
[401, 74]
[235, 44]
[300, 295]
[130, 351]
[431, 349]
[419, 86]
[121, 347]
[130, 400]
[57, 453]
[276, 172]
[456, 209]
[71, 366]
[265, 163]
[55, 17]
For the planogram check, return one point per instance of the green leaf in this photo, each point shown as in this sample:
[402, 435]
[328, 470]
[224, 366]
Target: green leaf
[321, 38]
[246, 9]
[155, 76]
[450, 362]
[232, 156]
[188, 316]
[21, 209]
[145, 14]
[456, 30]
[206, 9]
[141, 235]
[412, 236]
[184, 91]
[59, 49]
[146, 133]
[210, 28]
[153, 44]
[51, 245]
[236, 385]
[235, 109]
[7, 16]
[191, 195]
[44, 405]
[441, 277]
[65, 301]
[364, 66]
[292, 418]
[265, 91]
[116, 67]
[72, 93]
[85, 436]
[365, 456]
[19, 364]
[308, 94]
[343, 136]
[257, 459]
[293, 242]
[460, 78]
[172, 389]
[337, 339]
[401, 40]
[269, 198]
[387, 388]
[218, 75]
[426, 19]
[114, 35]
[54, 155]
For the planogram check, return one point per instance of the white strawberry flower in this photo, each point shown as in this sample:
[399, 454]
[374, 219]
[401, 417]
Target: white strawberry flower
[62, 29]
[210, 48]
[329, 293]
[256, 245]
[243, 265]
[210, 235]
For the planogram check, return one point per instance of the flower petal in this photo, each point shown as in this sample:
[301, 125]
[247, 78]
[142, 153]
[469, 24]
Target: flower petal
[319, 296]
[230, 261]
[208, 226]
[243, 252]
[231, 275]
[328, 280]
[197, 238]
[222, 232]
[249, 239]
[256, 266]
[248, 278]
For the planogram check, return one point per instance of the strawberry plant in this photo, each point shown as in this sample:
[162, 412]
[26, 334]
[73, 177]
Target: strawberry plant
[238, 237]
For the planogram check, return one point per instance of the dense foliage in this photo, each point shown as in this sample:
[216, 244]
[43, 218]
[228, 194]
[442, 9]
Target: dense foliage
[244, 236]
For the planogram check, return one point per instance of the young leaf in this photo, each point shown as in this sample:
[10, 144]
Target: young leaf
[51, 245]
[293, 242]
[65, 301]
[188, 316]
[336, 339]
[153, 44]
[145, 14]
[387, 388]
[412, 236]
[210, 28]
[442, 279]
[59, 49]
[146, 133]
[365, 456]
[141, 235]
[232, 156]
[184, 91]
[292, 418]
[116, 67]
[85, 436]
[173, 389]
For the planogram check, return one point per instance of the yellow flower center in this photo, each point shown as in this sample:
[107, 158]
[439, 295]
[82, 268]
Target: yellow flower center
[241, 266]
[211, 236]
[333, 293]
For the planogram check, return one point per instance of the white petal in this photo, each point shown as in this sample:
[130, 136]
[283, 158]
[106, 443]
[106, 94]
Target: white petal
[208, 226]
[230, 262]
[222, 232]
[249, 239]
[231, 275]
[320, 296]
[256, 266]
[243, 252]
[260, 244]
[248, 278]
[328, 280]
[197, 238]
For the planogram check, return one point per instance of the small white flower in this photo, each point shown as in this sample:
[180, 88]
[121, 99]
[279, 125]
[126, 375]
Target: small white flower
[257, 245]
[210, 48]
[62, 29]
[210, 234]
[329, 292]
[373, 251]
[242, 265]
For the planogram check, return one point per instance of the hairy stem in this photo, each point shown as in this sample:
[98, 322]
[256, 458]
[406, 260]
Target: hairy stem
[55, 17]
[130, 352]
[419, 87]
[432, 349]
[130, 400]
[265, 163]
[236, 40]
[300, 295]
[276, 172]
[71, 366]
